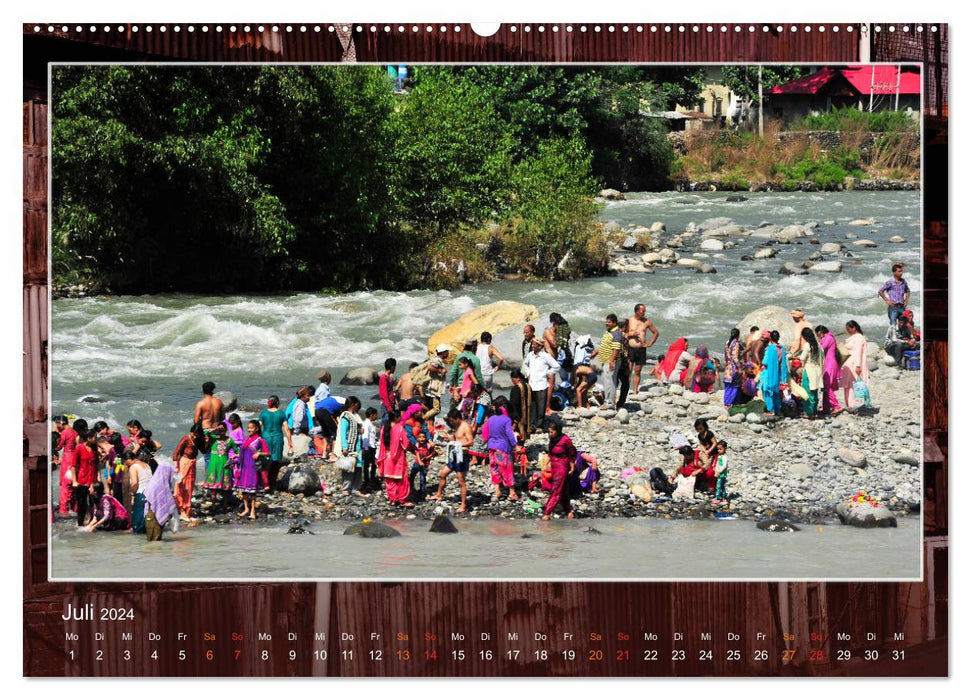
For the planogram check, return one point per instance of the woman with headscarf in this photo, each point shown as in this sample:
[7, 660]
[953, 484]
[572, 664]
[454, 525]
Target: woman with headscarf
[811, 357]
[563, 457]
[393, 462]
[831, 371]
[675, 361]
[701, 374]
[772, 373]
[855, 366]
[160, 503]
[733, 367]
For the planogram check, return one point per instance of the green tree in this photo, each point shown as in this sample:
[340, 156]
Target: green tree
[744, 80]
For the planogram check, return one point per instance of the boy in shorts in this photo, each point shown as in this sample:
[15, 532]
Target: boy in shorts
[457, 455]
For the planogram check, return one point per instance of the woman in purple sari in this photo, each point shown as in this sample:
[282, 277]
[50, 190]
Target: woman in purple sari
[248, 481]
[831, 371]
[160, 502]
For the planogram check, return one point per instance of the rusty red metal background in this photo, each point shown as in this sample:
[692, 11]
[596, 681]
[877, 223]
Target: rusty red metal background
[777, 609]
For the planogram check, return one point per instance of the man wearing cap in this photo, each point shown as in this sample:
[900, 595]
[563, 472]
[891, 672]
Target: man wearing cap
[896, 293]
[540, 370]
[799, 318]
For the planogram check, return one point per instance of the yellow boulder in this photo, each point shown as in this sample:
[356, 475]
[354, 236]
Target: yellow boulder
[491, 317]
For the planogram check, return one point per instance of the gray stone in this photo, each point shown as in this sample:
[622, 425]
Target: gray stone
[668, 255]
[800, 470]
[831, 248]
[712, 244]
[763, 253]
[898, 239]
[362, 376]
[372, 530]
[688, 262]
[612, 227]
[851, 457]
[865, 243]
[865, 515]
[706, 270]
[443, 525]
[776, 525]
[675, 389]
[828, 266]
[906, 458]
[300, 479]
[651, 258]
[862, 222]
[658, 227]
[228, 398]
[630, 243]
[623, 417]
[792, 268]
[753, 418]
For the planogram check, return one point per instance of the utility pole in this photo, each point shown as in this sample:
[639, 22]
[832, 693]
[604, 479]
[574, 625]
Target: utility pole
[760, 102]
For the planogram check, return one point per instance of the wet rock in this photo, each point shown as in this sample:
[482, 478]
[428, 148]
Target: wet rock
[776, 525]
[865, 243]
[862, 222]
[623, 416]
[442, 524]
[93, 399]
[630, 243]
[371, 530]
[298, 529]
[792, 268]
[827, 266]
[612, 195]
[736, 198]
[362, 376]
[898, 239]
[865, 514]
[712, 244]
[763, 253]
[593, 531]
[831, 248]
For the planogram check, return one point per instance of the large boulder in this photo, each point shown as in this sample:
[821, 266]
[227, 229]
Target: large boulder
[770, 318]
[371, 530]
[860, 511]
[828, 266]
[228, 398]
[831, 248]
[301, 479]
[494, 318]
[712, 244]
[613, 195]
[362, 376]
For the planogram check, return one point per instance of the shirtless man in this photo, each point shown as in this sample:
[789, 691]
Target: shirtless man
[406, 387]
[637, 328]
[463, 435]
[752, 345]
[209, 411]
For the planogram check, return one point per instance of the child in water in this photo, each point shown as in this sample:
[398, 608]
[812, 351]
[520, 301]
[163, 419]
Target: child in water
[721, 473]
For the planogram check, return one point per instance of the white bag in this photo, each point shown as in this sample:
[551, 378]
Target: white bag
[685, 489]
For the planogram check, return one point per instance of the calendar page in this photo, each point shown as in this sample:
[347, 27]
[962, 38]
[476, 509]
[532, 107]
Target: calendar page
[540, 349]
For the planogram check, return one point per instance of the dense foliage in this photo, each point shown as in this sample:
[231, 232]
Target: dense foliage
[315, 177]
[744, 80]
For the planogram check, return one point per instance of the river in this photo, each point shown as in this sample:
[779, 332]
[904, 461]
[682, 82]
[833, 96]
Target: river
[146, 357]
[640, 548]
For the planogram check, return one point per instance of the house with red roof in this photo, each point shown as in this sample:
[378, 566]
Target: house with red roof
[873, 87]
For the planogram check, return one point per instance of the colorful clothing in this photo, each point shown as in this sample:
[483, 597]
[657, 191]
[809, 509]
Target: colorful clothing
[562, 457]
[185, 456]
[812, 378]
[248, 480]
[222, 460]
[771, 377]
[158, 495]
[272, 422]
[67, 446]
[831, 371]
[856, 363]
[500, 467]
[585, 482]
[666, 369]
[115, 515]
[721, 474]
[393, 463]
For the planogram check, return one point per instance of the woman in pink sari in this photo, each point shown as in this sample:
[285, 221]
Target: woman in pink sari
[831, 371]
[855, 366]
[393, 462]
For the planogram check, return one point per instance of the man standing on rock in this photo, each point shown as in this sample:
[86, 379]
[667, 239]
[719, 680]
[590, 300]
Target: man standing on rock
[896, 293]
[637, 328]
[609, 358]
[540, 370]
[752, 345]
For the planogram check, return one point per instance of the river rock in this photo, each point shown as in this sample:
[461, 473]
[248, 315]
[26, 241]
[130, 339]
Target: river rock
[651, 258]
[612, 227]
[675, 389]
[96, 399]
[753, 417]
[613, 195]
[727, 231]
[623, 416]
[769, 318]
[362, 376]
[371, 530]
[906, 458]
[598, 420]
[831, 248]
[494, 318]
[800, 470]
[301, 479]
[658, 227]
[442, 524]
[228, 398]
[790, 233]
[688, 262]
[776, 525]
[853, 458]
[792, 268]
[713, 223]
[667, 255]
[630, 243]
[736, 198]
[827, 266]
[712, 244]
[862, 222]
[763, 253]
[898, 239]
[737, 418]
[865, 243]
[585, 412]
[865, 514]
[706, 270]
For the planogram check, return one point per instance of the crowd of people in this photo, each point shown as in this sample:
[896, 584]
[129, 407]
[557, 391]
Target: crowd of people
[113, 481]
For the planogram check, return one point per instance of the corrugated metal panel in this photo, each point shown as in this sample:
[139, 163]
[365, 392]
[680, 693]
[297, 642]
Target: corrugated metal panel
[35, 355]
[926, 46]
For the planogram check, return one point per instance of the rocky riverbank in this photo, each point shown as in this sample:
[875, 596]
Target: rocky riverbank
[793, 468]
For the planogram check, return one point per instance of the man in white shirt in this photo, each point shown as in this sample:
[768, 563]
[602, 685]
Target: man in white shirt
[540, 370]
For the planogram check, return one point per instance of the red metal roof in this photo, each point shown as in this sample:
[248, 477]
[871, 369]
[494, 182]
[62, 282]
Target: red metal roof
[883, 79]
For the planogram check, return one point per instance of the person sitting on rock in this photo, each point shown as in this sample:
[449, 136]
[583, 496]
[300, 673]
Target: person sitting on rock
[899, 339]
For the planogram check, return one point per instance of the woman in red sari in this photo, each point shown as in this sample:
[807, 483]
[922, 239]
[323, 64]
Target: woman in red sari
[667, 370]
[563, 457]
[393, 462]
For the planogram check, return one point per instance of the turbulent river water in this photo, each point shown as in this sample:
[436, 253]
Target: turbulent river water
[145, 357]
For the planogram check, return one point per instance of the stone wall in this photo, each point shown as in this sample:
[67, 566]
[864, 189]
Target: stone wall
[833, 140]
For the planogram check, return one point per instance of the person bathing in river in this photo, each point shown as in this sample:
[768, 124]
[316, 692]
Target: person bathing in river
[160, 505]
[456, 455]
[185, 457]
[106, 512]
[210, 412]
[139, 474]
